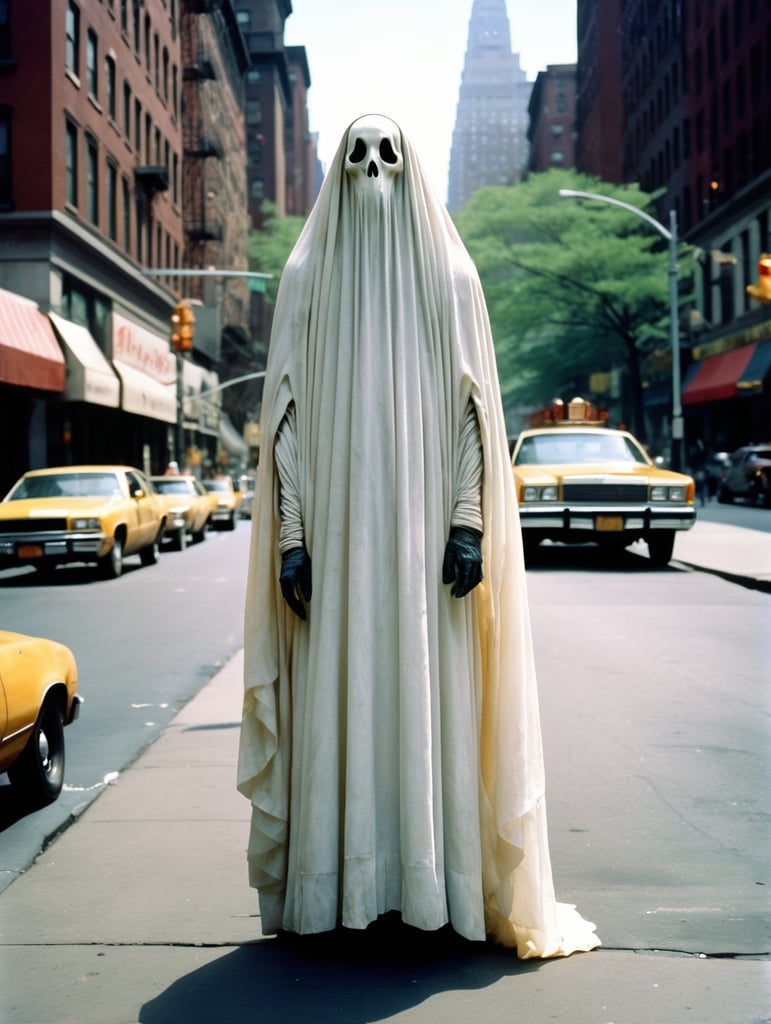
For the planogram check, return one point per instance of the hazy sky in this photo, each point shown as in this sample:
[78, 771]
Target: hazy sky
[404, 58]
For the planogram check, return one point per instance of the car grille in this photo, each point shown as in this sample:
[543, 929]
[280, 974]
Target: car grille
[610, 493]
[31, 525]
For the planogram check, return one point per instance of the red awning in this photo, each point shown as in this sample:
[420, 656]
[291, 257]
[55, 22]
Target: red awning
[30, 356]
[716, 377]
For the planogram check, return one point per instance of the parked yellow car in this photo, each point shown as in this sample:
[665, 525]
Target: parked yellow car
[38, 697]
[188, 507]
[577, 484]
[225, 501]
[81, 514]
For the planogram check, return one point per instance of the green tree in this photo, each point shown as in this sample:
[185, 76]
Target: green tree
[269, 248]
[572, 286]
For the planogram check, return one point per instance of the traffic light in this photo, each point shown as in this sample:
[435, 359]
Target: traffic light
[182, 327]
[762, 290]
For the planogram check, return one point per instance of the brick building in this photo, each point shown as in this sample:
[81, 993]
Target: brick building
[552, 118]
[694, 125]
[122, 162]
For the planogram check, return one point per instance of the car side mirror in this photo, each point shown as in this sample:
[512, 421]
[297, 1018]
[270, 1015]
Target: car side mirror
[137, 492]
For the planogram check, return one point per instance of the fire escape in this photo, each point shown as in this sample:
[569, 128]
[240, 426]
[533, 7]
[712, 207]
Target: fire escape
[200, 145]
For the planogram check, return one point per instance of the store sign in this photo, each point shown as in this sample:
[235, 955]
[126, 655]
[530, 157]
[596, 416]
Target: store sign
[143, 350]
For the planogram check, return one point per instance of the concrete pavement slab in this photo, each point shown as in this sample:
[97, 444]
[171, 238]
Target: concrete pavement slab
[343, 983]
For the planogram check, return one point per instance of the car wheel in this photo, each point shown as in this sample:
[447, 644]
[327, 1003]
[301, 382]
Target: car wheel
[660, 546]
[724, 496]
[38, 772]
[151, 554]
[201, 534]
[232, 521]
[760, 494]
[531, 547]
[112, 563]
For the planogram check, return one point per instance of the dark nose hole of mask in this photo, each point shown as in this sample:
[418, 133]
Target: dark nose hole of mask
[372, 171]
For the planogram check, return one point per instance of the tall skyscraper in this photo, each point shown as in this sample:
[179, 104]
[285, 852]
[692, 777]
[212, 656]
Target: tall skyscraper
[489, 142]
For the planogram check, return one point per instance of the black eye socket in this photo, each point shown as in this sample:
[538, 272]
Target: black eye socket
[387, 153]
[359, 152]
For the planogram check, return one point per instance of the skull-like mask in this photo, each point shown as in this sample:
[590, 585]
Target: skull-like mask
[374, 154]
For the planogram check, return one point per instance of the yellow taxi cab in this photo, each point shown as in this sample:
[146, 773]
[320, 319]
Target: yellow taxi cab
[81, 514]
[579, 481]
[224, 501]
[38, 698]
[188, 507]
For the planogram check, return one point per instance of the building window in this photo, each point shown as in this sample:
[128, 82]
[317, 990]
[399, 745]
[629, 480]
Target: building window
[148, 35]
[175, 178]
[92, 181]
[137, 29]
[111, 201]
[92, 79]
[157, 63]
[157, 149]
[6, 189]
[253, 112]
[165, 82]
[5, 31]
[138, 127]
[253, 77]
[109, 85]
[127, 110]
[126, 214]
[71, 162]
[72, 52]
[174, 92]
[124, 17]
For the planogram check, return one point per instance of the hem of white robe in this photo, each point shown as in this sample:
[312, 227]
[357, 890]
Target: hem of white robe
[423, 901]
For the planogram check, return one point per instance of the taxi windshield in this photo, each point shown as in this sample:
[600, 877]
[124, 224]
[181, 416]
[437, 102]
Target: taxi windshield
[576, 448]
[68, 485]
[171, 486]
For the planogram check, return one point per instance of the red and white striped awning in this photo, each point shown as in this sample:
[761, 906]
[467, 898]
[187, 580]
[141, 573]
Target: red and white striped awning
[30, 355]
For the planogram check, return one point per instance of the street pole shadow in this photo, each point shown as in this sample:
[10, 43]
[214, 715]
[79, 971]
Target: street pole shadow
[342, 977]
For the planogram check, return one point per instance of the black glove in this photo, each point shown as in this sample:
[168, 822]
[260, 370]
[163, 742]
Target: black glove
[295, 579]
[463, 560]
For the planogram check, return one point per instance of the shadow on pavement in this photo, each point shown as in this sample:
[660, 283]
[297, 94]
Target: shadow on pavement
[339, 978]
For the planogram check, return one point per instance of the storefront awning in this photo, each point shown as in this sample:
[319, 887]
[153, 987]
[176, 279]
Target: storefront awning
[30, 356]
[758, 369]
[89, 375]
[716, 378]
[146, 396]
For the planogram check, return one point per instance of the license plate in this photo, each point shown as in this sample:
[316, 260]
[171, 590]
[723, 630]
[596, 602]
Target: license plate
[610, 523]
[29, 551]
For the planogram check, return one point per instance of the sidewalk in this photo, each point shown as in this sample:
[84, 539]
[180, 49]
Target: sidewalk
[732, 552]
[141, 912]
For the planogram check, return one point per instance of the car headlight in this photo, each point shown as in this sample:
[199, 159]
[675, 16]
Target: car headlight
[662, 493]
[531, 493]
[86, 523]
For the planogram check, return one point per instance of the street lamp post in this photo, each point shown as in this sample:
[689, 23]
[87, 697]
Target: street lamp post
[674, 326]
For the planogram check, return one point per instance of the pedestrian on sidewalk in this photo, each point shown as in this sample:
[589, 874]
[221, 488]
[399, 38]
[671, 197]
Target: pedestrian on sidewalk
[391, 744]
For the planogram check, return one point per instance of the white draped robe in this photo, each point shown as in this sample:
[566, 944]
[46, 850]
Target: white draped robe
[391, 744]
